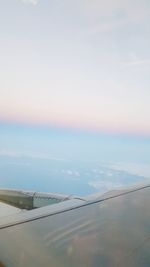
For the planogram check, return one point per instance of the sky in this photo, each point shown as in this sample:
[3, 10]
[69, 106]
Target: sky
[74, 94]
[80, 64]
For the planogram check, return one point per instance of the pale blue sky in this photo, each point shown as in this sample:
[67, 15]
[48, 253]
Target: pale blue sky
[82, 63]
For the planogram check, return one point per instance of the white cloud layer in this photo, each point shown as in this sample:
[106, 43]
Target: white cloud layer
[105, 185]
[140, 169]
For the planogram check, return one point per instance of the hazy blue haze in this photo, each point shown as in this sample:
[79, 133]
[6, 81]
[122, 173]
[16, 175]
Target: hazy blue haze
[68, 161]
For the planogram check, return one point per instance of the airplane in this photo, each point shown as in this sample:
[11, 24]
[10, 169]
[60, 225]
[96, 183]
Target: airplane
[56, 230]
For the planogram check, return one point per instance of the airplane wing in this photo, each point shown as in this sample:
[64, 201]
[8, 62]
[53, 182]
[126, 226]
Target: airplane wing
[106, 230]
[30, 200]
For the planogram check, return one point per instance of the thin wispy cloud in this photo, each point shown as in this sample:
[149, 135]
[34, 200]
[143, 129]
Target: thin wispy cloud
[136, 61]
[115, 15]
[70, 172]
[32, 2]
[28, 154]
[8, 153]
[107, 26]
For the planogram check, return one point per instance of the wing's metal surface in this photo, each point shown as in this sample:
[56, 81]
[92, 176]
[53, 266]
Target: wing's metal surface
[7, 210]
[112, 230]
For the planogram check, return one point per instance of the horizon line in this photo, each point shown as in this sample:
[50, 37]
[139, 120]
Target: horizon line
[76, 128]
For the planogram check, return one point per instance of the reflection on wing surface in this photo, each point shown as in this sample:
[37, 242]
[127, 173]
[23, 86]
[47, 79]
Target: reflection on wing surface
[110, 232]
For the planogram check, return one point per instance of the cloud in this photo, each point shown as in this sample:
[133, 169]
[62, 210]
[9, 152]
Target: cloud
[140, 169]
[94, 170]
[71, 173]
[28, 154]
[9, 153]
[120, 175]
[32, 2]
[77, 173]
[109, 174]
[107, 25]
[116, 9]
[19, 164]
[105, 185]
[135, 61]
[113, 15]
